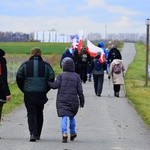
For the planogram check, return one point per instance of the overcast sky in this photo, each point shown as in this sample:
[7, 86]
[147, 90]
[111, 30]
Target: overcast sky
[70, 16]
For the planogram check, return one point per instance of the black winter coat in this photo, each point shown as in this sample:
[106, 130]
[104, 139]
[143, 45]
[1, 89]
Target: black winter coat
[70, 93]
[4, 89]
[114, 53]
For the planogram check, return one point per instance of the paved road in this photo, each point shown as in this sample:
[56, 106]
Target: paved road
[105, 123]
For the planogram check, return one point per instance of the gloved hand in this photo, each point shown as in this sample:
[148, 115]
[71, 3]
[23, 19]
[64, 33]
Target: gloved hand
[108, 77]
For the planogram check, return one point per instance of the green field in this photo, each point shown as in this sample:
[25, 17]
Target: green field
[24, 47]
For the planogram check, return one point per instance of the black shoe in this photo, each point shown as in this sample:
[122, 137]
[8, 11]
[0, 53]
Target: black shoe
[73, 136]
[64, 138]
[99, 95]
[116, 94]
[32, 138]
[37, 137]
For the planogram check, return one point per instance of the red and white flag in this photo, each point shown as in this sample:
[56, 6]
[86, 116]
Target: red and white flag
[77, 40]
[93, 50]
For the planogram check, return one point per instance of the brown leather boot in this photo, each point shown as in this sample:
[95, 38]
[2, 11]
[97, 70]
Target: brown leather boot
[73, 136]
[64, 138]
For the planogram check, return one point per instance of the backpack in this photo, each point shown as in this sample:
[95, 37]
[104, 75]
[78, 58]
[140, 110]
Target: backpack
[97, 65]
[117, 68]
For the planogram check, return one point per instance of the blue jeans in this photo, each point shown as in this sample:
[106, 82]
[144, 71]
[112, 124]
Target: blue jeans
[72, 125]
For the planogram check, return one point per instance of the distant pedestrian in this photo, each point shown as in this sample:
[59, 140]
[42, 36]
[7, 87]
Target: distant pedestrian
[89, 70]
[76, 60]
[114, 53]
[84, 60]
[69, 97]
[101, 45]
[98, 74]
[117, 73]
[67, 53]
[32, 78]
[5, 94]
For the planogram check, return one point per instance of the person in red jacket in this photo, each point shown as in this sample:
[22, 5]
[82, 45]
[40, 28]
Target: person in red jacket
[5, 95]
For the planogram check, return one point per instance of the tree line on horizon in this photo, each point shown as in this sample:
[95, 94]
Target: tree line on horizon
[25, 37]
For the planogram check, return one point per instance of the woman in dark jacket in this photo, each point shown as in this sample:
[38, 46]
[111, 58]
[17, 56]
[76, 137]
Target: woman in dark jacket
[69, 97]
[4, 89]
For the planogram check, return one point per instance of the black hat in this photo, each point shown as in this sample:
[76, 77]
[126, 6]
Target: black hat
[2, 52]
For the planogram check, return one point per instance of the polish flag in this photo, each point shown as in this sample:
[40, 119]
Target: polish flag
[80, 33]
[77, 41]
[93, 50]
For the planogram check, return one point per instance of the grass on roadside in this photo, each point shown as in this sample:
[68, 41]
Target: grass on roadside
[17, 99]
[137, 92]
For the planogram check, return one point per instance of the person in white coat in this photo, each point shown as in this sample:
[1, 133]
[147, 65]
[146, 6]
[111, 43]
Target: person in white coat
[117, 74]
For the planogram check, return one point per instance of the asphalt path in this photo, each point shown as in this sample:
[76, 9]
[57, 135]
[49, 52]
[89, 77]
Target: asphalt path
[105, 123]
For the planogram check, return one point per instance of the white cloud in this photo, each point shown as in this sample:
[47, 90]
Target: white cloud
[96, 3]
[122, 10]
[110, 7]
[41, 2]
[70, 25]
[123, 22]
[69, 21]
[125, 25]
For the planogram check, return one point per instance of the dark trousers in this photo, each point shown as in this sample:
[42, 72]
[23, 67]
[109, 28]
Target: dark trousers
[116, 88]
[83, 73]
[98, 83]
[1, 107]
[35, 118]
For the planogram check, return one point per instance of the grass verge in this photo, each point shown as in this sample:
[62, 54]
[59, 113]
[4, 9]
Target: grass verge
[17, 99]
[137, 92]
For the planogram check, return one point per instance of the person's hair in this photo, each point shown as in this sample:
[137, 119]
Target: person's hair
[36, 51]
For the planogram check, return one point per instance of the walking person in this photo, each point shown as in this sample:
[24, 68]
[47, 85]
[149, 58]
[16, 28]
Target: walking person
[76, 60]
[69, 97]
[32, 78]
[101, 45]
[84, 60]
[117, 73]
[98, 68]
[5, 94]
[114, 53]
[67, 53]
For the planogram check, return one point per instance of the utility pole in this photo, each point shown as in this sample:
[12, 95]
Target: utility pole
[147, 50]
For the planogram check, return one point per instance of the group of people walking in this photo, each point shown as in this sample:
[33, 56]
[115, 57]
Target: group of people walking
[87, 66]
[36, 77]
[82, 61]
